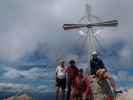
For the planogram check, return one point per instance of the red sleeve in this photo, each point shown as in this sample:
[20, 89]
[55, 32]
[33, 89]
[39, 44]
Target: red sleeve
[75, 83]
[77, 69]
[88, 81]
[66, 70]
[88, 91]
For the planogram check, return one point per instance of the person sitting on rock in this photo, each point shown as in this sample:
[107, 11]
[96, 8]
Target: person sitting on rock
[98, 69]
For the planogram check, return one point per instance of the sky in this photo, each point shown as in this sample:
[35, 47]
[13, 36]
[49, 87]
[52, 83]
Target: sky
[32, 39]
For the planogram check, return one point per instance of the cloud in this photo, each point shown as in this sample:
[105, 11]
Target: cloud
[126, 56]
[25, 24]
[121, 35]
[12, 87]
[31, 74]
[123, 75]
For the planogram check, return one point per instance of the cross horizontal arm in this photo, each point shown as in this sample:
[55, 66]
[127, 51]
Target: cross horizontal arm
[111, 23]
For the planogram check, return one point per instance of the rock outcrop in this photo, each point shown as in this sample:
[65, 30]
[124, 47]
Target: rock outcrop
[23, 97]
[101, 92]
[97, 90]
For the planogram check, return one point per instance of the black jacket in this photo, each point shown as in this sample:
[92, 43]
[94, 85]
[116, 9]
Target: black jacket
[96, 64]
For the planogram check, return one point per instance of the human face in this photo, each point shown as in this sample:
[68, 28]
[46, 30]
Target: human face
[62, 63]
[94, 56]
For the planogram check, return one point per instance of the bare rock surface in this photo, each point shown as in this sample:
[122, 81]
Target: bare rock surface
[97, 90]
[100, 94]
[128, 95]
[23, 97]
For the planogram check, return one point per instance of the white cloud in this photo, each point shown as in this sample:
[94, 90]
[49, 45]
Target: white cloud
[11, 87]
[31, 74]
[126, 56]
[124, 76]
[32, 22]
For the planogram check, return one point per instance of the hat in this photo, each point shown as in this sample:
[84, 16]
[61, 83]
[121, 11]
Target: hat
[94, 53]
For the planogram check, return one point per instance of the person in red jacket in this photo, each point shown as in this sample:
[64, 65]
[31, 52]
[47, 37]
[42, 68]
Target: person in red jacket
[72, 72]
[82, 87]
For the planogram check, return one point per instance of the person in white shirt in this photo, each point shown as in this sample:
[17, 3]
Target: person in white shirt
[60, 81]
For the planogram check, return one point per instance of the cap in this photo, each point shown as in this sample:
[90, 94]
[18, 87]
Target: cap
[94, 53]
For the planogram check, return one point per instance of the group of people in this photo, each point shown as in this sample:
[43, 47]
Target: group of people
[76, 81]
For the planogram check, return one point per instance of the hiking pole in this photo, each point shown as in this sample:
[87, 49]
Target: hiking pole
[112, 23]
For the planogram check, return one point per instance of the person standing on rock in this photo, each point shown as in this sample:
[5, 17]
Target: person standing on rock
[72, 72]
[60, 81]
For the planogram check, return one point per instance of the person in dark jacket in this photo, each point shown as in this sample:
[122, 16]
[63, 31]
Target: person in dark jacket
[98, 68]
[96, 63]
